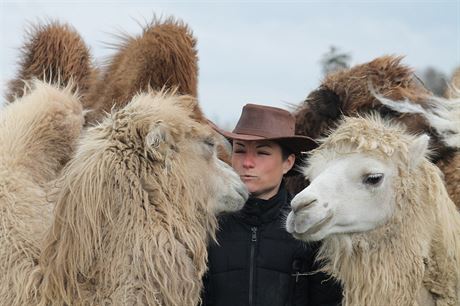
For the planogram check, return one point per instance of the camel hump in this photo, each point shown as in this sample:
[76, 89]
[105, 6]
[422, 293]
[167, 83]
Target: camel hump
[56, 53]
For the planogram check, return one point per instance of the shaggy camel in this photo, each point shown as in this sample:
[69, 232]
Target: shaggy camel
[133, 207]
[38, 133]
[360, 90]
[56, 53]
[390, 231]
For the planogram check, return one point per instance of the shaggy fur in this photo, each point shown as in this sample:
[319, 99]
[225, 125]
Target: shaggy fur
[37, 136]
[360, 90]
[164, 55]
[56, 53]
[417, 248]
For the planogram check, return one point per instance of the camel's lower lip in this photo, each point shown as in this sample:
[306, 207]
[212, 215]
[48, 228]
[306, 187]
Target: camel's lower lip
[318, 226]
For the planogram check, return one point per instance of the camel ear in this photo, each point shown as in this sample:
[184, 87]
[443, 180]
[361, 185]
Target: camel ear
[158, 134]
[418, 149]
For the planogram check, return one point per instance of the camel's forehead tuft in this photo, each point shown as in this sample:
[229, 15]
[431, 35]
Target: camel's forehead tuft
[159, 107]
[167, 116]
[368, 134]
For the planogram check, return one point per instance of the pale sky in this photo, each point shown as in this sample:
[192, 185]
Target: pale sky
[265, 52]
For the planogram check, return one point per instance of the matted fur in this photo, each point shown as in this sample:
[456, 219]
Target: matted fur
[418, 247]
[56, 53]
[38, 133]
[359, 90]
[163, 56]
[132, 215]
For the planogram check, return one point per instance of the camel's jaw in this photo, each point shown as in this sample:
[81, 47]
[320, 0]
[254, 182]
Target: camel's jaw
[234, 201]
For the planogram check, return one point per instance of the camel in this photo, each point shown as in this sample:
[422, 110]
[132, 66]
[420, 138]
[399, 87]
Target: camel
[360, 90]
[390, 231]
[128, 218]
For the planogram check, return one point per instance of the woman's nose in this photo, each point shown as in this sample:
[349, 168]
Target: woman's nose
[248, 161]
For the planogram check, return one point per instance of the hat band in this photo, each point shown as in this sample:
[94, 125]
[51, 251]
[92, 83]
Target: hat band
[260, 133]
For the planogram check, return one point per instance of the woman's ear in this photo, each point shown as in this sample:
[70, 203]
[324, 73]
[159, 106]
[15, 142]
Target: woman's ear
[288, 163]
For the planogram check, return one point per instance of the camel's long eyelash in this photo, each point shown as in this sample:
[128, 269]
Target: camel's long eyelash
[373, 179]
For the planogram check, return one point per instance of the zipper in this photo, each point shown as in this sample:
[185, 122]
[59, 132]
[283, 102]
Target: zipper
[252, 263]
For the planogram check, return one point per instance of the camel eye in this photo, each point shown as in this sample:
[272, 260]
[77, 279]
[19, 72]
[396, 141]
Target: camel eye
[373, 179]
[209, 142]
[208, 147]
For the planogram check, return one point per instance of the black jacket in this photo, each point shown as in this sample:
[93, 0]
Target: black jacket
[258, 263]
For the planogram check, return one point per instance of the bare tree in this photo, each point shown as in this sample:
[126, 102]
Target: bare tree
[434, 80]
[334, 60]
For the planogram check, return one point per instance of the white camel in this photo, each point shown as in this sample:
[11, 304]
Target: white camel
[391, 233]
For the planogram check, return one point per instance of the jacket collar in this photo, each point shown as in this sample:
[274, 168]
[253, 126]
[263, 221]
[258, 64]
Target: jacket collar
[259, 211]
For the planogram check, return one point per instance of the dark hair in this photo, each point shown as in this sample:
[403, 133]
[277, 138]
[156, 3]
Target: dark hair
[285, 152]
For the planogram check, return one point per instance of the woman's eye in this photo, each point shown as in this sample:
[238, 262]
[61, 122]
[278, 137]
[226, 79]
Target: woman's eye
[238, 151]
[264, 153]
[373, 179]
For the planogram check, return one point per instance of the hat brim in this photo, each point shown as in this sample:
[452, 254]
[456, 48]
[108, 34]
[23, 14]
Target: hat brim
[296, 144]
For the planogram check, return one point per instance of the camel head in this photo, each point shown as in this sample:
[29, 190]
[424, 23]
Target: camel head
[184, 144]
[354, 179]
[179, 150]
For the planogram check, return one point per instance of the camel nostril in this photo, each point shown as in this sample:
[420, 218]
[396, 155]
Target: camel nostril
[303, 205]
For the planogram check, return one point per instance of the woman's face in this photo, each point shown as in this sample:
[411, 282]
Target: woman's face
[261, 166]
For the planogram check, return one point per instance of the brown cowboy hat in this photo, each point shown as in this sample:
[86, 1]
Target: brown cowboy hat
[260, 122]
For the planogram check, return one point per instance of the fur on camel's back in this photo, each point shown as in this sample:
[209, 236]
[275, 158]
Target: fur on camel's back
[38, 133]
[164, 55]
[54, 52]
